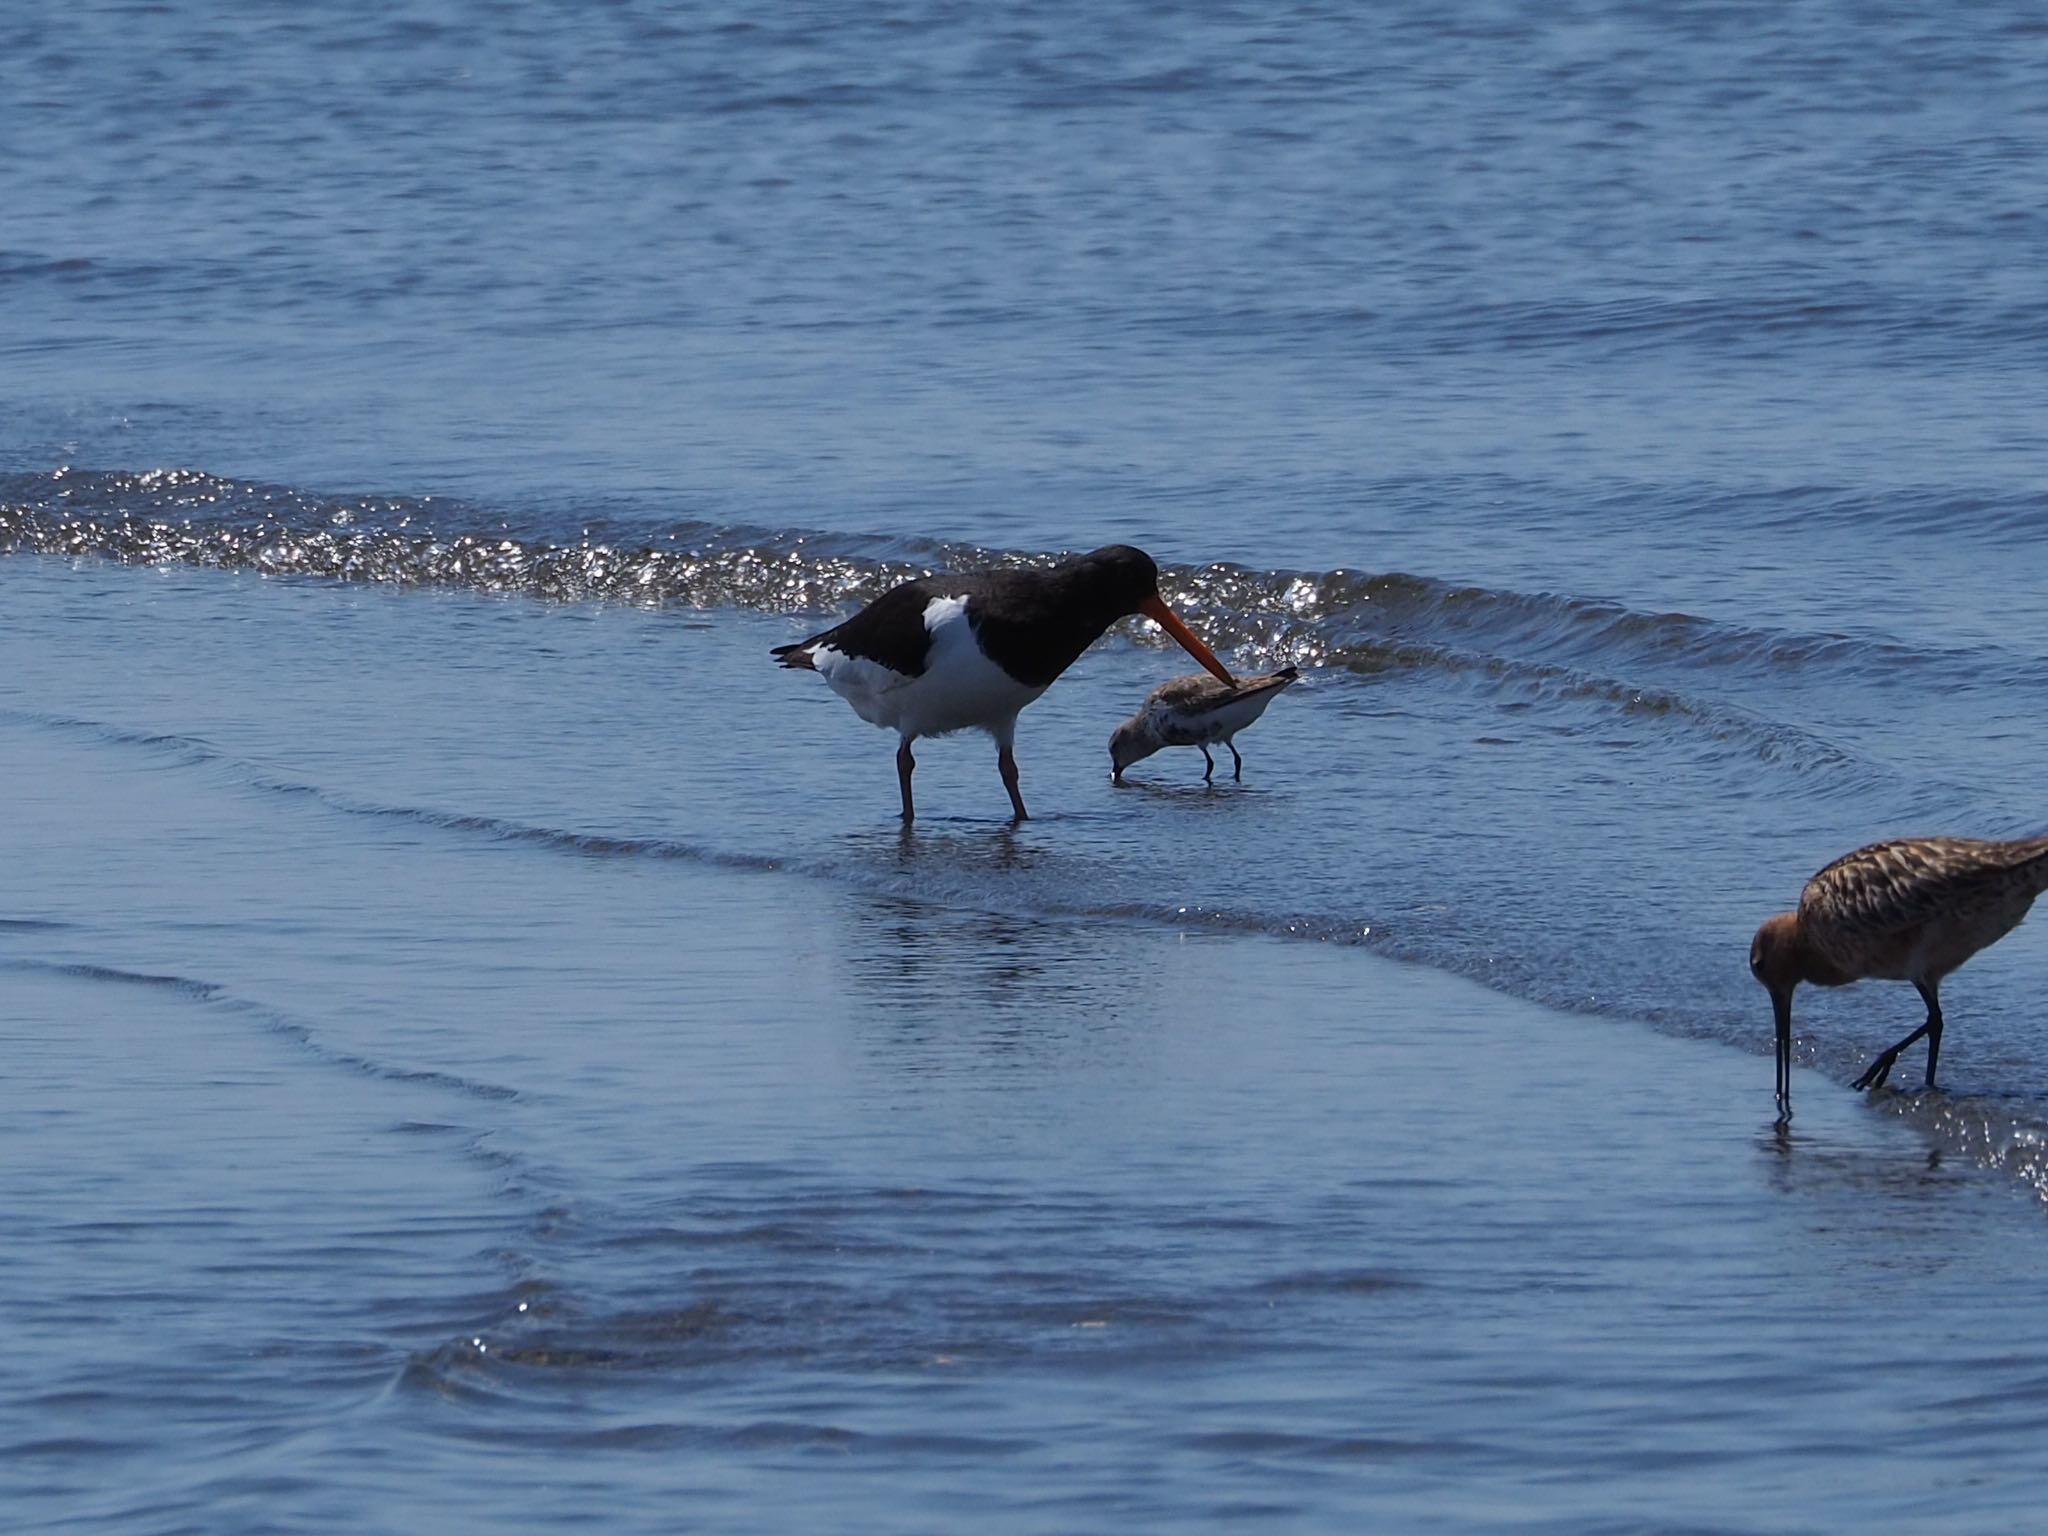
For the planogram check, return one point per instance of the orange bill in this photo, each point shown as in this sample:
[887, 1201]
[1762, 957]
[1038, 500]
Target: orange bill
[1155, 609]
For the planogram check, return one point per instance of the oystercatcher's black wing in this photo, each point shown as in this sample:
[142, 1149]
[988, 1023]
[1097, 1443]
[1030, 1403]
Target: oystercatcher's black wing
[890, 630]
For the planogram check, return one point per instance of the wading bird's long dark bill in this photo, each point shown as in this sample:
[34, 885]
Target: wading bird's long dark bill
[1155, 609]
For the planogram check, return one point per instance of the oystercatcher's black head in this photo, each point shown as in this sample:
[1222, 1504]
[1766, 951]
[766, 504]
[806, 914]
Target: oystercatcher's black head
[1103, 585]
[1119, 581]
[1128, 573]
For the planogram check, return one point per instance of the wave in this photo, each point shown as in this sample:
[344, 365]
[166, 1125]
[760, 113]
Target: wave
[1599, 661]
[969, 874]
[1363, 621]
[981, 874]
[1755, 325]
[272, 1020]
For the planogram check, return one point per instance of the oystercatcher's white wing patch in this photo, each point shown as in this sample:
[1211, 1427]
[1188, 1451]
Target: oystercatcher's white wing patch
[959, 687]
[945, 613]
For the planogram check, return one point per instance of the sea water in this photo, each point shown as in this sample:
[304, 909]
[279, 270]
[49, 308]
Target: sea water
[484, 1051]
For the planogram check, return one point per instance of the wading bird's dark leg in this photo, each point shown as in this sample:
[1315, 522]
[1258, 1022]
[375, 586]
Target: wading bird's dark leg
[1930, 990]
[1006, 763]
[1239, 775]
[1881, 1068]
[905, 765]
[1210, 772]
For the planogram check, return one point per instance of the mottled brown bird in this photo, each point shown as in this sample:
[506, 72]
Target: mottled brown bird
[1194, 711]
[1909, 910]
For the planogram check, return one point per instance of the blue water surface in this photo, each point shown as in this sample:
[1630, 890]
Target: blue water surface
[484, 1054]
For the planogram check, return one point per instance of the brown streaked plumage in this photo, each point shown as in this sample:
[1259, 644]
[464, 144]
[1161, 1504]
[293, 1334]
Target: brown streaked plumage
[1913, 909]
[1194, 711]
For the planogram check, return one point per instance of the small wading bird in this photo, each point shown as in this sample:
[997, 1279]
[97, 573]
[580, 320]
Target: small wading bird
[1911, 910]
[1194, 711]
[943, 653]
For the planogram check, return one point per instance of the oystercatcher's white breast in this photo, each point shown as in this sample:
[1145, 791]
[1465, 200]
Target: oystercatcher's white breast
[960, 686]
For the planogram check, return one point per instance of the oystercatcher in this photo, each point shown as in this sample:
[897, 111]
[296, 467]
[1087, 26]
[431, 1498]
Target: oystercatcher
[1194, 711]
[943, 653]
[1909, 910]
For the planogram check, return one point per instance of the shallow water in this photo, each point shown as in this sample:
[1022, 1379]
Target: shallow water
[423, 899]
[414, 1123]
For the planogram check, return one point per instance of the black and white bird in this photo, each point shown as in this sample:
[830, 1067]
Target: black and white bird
[945, 653]
[1195, 711]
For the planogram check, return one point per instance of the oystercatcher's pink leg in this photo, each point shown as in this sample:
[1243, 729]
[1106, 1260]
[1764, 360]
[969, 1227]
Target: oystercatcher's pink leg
[1007, 763]
[905, 764]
